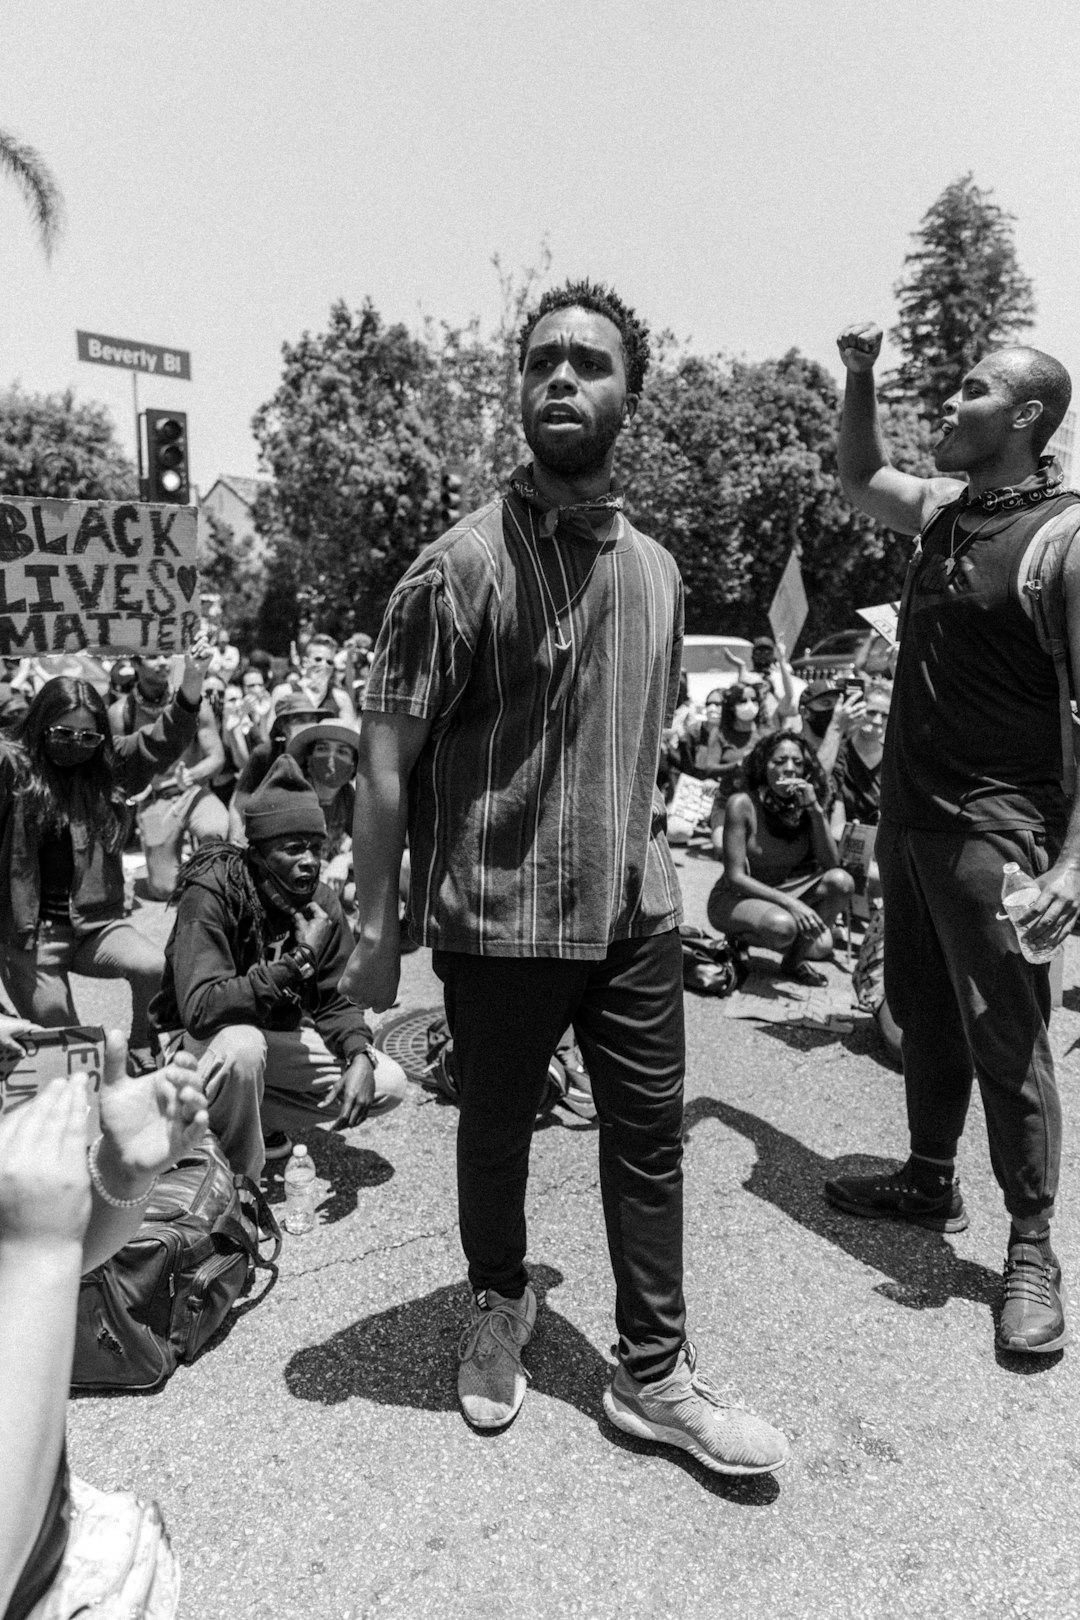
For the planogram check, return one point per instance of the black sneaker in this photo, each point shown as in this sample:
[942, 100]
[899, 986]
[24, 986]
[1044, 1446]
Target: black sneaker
[895, 1197]
[276, 1145]
[1032, 1320]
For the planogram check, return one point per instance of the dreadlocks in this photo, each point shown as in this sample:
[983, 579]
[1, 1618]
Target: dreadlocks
[230, 862]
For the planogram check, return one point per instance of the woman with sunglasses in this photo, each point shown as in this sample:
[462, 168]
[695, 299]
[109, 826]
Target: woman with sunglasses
[64, 821]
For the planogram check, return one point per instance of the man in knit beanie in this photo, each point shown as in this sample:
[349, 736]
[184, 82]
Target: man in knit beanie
[251, 983]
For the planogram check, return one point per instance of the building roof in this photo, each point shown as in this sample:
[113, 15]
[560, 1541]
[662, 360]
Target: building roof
[245, 489]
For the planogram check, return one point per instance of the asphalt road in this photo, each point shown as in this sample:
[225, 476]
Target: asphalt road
[312, 1462]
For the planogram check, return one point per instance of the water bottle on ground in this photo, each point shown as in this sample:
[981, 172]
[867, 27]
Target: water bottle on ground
[1018, 893]
[299, 1191]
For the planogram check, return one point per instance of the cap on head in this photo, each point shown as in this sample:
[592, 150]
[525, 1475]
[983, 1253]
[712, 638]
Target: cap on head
[283, 803]
[300, 746]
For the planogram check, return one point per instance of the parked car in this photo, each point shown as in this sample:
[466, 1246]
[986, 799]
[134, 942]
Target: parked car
[705, 665]
[843, 654]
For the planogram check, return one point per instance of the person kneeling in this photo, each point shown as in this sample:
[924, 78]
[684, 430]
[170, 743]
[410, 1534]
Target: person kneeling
[782, 885]
[251, 983]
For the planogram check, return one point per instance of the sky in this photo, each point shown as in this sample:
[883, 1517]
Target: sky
[746, 175]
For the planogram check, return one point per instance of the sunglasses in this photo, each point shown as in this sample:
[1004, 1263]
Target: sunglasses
[66, 734]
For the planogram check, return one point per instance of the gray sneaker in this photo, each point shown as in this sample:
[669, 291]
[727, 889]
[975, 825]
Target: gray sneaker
[491, 1379]
[685, 1410]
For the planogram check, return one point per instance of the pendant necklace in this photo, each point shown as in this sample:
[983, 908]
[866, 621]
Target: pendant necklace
[955, 551]
[556, 627]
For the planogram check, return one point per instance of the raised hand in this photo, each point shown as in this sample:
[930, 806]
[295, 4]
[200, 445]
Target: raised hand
[148, 1121]
[44, 1182]
[860, 345]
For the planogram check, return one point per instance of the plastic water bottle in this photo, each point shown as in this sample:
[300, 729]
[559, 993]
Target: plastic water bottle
[1018, 894]
[299, 1191]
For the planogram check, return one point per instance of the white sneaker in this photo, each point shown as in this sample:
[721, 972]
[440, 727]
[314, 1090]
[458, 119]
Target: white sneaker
[685, 1410]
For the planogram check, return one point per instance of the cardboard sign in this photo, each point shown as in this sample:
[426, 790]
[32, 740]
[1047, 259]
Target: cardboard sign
[108, 575]
[53, 1054]
[789, 607]
[885, 619]
[856, 855]
[692, 800]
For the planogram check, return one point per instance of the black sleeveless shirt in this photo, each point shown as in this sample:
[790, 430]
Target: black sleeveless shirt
[974, 741]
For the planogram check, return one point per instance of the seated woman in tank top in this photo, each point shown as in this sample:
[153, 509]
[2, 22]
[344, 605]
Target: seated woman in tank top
[782, 886]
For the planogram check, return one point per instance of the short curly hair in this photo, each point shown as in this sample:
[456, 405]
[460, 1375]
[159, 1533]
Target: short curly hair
[593, 295]
[764, 749]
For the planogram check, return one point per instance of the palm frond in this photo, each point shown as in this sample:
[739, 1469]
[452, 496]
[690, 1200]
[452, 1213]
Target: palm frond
[35, 180]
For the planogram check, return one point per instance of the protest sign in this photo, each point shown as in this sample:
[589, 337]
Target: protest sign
[692, 801]
[53, 1054]
[107, 575]
[885, 619]
[789, 607]
[856, 856]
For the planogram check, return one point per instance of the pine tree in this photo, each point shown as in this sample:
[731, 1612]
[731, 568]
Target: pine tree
[962, 294]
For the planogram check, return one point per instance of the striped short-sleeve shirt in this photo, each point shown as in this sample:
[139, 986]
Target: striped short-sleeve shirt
[548, 666]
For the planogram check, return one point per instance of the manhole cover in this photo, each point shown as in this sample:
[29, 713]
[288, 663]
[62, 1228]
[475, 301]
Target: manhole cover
[405, 1039]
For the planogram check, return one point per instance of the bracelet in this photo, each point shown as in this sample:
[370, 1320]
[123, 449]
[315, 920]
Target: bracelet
[99, 1186]
[303, 959]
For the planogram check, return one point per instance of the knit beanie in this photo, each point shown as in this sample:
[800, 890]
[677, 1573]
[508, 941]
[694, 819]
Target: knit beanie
[283, 803]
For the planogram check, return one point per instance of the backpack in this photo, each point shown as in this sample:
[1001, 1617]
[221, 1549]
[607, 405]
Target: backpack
[1040, 588]
[567, 1086]
[711, 964]
[159, 1298]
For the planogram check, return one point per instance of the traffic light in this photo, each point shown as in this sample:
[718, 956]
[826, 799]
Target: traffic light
[167, 457]
[450, 496]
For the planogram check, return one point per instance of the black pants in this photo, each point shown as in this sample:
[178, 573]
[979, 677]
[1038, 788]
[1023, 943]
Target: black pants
[506, 1015]
[967, 1001]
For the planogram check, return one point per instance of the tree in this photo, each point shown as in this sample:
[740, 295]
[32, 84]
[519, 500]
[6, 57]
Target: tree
[962, 294]
[31, 174]
[475, 390]
[236, 571]
[355, 459]
[732, 464]
[49, 445]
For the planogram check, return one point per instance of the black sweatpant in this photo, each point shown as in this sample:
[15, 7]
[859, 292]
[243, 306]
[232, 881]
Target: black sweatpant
[967, 1001]
[506, 1015]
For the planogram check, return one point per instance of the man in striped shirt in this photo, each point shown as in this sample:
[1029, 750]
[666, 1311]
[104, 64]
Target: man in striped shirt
[522, 679]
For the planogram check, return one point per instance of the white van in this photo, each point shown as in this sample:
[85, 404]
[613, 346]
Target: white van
[707, 668]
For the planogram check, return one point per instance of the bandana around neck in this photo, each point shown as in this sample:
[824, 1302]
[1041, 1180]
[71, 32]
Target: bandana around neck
[1043, 485]
[551, 516]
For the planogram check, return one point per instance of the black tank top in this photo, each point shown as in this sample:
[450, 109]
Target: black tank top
[974, 741]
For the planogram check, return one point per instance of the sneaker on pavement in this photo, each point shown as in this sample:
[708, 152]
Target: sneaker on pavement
[491, 1379]
[685, 1410]
[141, 1060]
[896, 1197]
[1032, 1320]
[276, 1145]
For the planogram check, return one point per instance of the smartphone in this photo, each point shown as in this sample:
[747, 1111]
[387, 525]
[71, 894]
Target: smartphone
[52, 1054]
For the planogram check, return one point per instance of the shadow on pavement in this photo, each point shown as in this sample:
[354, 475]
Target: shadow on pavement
[346, 1168]
[407, 1356]
[922, 1270]
[863, 1040]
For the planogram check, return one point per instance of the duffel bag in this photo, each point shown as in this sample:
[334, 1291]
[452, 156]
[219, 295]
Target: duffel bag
[159, 1298]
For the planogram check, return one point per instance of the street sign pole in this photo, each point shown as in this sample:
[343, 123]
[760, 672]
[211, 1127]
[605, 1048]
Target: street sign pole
[138, 434]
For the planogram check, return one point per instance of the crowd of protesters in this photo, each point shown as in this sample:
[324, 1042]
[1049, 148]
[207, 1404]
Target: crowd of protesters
[544, 622]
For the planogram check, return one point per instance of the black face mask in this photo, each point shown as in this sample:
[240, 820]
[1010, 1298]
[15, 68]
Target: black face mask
[68, 756]
[817, 721]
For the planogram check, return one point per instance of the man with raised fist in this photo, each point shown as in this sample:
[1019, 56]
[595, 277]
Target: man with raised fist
[972, 778]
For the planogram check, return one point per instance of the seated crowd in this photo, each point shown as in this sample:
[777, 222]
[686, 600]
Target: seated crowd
[234, 781]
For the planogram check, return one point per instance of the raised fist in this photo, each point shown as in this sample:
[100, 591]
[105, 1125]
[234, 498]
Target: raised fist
[860, 345]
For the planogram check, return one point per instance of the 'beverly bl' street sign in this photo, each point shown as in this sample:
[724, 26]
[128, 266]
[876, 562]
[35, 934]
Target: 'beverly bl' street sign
[133, 356]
